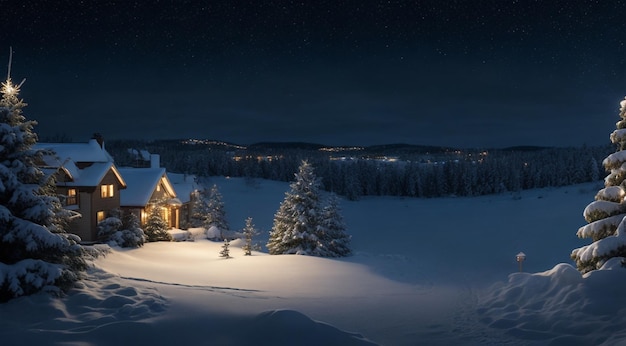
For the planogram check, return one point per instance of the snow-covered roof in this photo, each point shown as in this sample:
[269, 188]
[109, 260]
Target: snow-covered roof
[93, 175]
[67, 155]
[141, 183]
[183, 184]
[77, 152]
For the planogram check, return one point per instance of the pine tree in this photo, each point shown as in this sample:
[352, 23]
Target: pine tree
[334, 242]
[199, 209]
[132, 233]
[216, 216]
[225, 253]
[297, 219]
[35, 251]
[606, 215]
[249, 232]
[156, 228]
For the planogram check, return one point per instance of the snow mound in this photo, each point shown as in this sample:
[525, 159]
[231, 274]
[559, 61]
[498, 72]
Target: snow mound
[559, 306]
[284, 327]
[100, 300]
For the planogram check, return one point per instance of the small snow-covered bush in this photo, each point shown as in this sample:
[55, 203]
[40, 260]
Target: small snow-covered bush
[213, 233]
[109, 231]
[196, 233]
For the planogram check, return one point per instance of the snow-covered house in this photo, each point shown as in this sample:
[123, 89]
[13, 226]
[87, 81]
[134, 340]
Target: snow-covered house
[150, 188]
[87, 180]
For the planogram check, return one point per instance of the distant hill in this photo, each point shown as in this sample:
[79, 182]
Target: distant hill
[524, 148]
[286, 145]
[408, 148]
[397, 148]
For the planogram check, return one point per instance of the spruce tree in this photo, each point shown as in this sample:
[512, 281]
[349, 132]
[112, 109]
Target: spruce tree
[35, 251]
[249, 231]
[225, 253]
[216, 216]
[132, 235]
[199, 209]
[156, 228]
[331, 233]
[605, 215]
[298, 217]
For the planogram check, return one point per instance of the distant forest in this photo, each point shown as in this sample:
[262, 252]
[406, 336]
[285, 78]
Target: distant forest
[394, 170]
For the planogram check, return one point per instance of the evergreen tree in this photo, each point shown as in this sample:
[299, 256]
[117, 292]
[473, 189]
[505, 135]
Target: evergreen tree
[605, 215]
[225, 253]
[156, 228]
[332, 237]
[35, 251]
[199, 209]
[249, 232]
[216, 216]
[297, 219]
[594, 171]
[132, 233]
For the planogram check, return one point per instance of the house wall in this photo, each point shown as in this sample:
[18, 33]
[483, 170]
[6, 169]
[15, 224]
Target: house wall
[90, 202]
[104, 204]
[82, 226]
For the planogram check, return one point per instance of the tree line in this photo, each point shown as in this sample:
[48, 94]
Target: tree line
[467, 174]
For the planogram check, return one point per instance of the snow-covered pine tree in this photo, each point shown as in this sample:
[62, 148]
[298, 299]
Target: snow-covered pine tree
[35, 252]
[225, 253]
[249, 231]
[331, 233]
[156, 228]
[132, 233]
[605, 215]
[298, 217]
[216, 216]
[199, 209]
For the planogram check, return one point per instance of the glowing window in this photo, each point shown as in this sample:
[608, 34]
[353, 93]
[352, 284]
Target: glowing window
[106, 191]
[100, 216]
[72, 197]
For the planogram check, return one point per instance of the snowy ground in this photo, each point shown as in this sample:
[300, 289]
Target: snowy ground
[425, 271]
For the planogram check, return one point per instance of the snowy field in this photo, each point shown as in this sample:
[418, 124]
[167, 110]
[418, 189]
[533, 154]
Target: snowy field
[425, 271]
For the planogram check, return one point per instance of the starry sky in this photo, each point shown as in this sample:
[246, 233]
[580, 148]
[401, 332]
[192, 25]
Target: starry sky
[491, 73]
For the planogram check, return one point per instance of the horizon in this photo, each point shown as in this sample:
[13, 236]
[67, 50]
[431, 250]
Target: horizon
[63, 138]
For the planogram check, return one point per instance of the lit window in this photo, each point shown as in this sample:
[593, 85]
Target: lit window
[106, 191]
[72, 197]
[100, 216]
[158, 188]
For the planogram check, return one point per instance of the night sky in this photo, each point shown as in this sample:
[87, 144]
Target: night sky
[454, 73]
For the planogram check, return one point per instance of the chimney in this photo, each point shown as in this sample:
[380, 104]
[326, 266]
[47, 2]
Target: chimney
[155, 161]
[98, 137]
